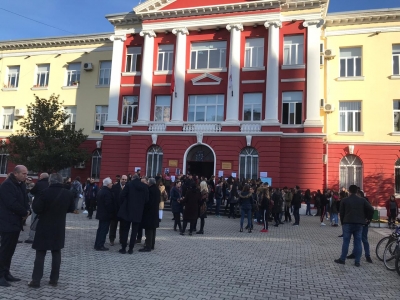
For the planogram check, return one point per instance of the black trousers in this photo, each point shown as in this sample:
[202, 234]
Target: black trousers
[37, 274]
[177, 217]
[101, 235]
[125, 227]
[296, 215]
[150, 238]
[9, 242]
[192, 225]
[202, 222]
[113, 230]
[90, 206]
[140, 232]
[288, 217]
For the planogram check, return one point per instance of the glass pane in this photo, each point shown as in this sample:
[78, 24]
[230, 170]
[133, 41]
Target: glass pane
[247, 113]
[285, 113]
[211, 113]
[167, 113]
[298, 113]
[397, 121]
[396, 65]
[291, 113]
[200, 113]
[293, 54]
[300, 54]
[254, 168]
[350, 122]
[342, 68]
[220, 113]
[286, 55]
[201, 100]
[159, 164]
[357, 122]
[260, 57]
[242, 167]
[247, 56]
[211, 99]
[342, 121]
[166, 62]
[350, 52]
[214, 59]
[358, 67]
[202, 57]
[396, 104]
[256, 112]
[158, 114]
[193, 60]
[138, 62]
[170, 59]
[149, 164]
[350, 67]
[191, 113]
[223, 58]
[163, 100]
[160, 61]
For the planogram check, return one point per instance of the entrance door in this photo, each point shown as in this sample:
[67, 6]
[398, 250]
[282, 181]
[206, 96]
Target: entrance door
[200, 161]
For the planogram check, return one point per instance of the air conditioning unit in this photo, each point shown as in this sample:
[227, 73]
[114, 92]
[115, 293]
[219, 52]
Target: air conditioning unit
[19, 112]
[329, 107]
[88, 66]
[329, 53]
[80, 165]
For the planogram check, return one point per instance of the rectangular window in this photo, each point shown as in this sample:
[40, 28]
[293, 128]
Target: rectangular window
[208, 55]
[350, 62]
[13, 77]
[105, 73]
[396, 115]
[254, 53]
[252, 104]
[133, 59]
[292, 108]
[165, 57]
[100, 117]
[321, 54]
[350, 116]
[396, 59]
[71, 112]
[7, 121]
[206, 108]
[129, 109]
[162, 109]
[293, 50]
[42, 75]
[3, 164]
[73, 74]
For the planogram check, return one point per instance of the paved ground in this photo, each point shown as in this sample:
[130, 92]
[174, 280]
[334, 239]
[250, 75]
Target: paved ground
[286, 263]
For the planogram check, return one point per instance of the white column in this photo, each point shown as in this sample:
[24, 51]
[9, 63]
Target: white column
[272, 89]
[313, 118]
[146, 83]
[178, 97]
[232, 95]
[115, 80]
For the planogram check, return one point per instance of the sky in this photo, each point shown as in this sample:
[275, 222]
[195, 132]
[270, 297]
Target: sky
[87, 16]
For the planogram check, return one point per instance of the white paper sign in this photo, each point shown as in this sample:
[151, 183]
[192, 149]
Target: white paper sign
[137, 168]
[234, 175]
[173, 178]
[263, 174]
[220, 173]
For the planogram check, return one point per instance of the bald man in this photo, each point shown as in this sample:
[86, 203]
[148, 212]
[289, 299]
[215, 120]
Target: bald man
[14, 209]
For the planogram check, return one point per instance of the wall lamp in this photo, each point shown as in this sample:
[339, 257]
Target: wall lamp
[351, 149]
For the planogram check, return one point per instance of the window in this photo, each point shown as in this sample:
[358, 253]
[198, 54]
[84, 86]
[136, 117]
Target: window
[248, 159]
[12, 77]
[254, 53]
[397, 176]
[7, 118]
[96, 163]
[154, 161]
[293, 50]
[133, 59]
[71, 112]
[129, 109]
[350, 116]
[105, 73]
[396, 115]
[208, 55]
[100, 117]
[396, 59]
[321, 54]
[165, 57]
[252, 104]
[3, 163]
[350, 62]
[73, 74]
[65, 173]
[162, 109]
[42, 75]
[350, 171]
[206, 108]
[292, 108]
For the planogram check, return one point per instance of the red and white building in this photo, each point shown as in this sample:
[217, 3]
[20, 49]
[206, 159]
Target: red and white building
[217, 85]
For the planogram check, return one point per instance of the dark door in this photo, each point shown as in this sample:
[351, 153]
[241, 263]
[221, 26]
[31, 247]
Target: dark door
[205, 169]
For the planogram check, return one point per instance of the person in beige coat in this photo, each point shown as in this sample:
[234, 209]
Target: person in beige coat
[163, 198]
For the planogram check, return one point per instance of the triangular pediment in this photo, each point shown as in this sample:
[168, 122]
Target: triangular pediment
[206, 79]
[152, 5]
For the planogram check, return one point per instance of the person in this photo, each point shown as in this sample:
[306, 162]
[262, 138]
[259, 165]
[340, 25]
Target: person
[323, 203]
[163, 198]
[77, 191]
[52, 206]
[245, 200]
[265, 201]
[116, 190]
[288, 196]
[191, 203]
[67, 183]
[14, 208]
[176, 196]
[392, 210]
[40, 186]
[202, 206]
[211, 193]
[106, 210]
[354, 211]
[296, 202]
[335, 209]
[150, 218]
[167, 183]
[218, 198]
[90, 197]
[132, 200]
[233, 200]
[276, 209]
[307, 199]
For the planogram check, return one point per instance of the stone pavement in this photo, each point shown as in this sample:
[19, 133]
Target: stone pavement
[286, 263]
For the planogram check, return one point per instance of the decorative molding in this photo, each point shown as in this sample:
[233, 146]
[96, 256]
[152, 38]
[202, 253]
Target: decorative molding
[115, 37]
[394, 77]
[237, 26]
[154, 138]
[130, 84]
[182, 30]
[152, 5]
[215, 70]
[126, 74]
[199, 136]
[250, 127]
[9, 89]
[217, 80]
[315, 22]
[248, 140]
[363, 17]
[362, 31]
[290, 67]
[161, 84]
[252, 81]
[169, 72]
[55, 52]
[359, 133]
[70, 87]
[354, 78]
[293, 80]
[275, 23]
[149, 33]
[98, 144]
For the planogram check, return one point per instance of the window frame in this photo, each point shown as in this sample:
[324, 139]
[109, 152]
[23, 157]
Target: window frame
[252, 107]
[39, 75]
[249, 153]
[166, 54]
[354, 117]
[100, 115]
[394, 117]
[249, 50]
[154, 160]
[135, 58]
[71, 110]
[9, 76]
[104, 70]
[10, 117]
[132, 114]
[292, 106]
[354, 58]
[206, 105]
[71, 73]
[397, 177]
[396, 53]
[163, 107]
[297, 47]
[356, 167]
[3, 163]
[96, 157]
[222, 64]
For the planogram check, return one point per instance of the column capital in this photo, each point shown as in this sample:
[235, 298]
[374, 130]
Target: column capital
[182, 30]
[273, 23]
[114, 37]
[149, 33]
[316, 22]
[237, 26]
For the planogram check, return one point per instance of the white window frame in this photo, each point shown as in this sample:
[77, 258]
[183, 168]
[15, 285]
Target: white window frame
[348, 61]
[164, 109]
[253, 46]
[208, 47]
[353, 112]
[249, 154]
[39, 74]
[73, 74]
[12, 73]
[135, 54]
[354, 162]
[165, 57]
[7, 117]
[155, 157]
[3, 163]
[207, 107]
[100, 117]
[71, 121]
[293, 47]
[129, 111]
[96, 164]
[396, 54]
[105, 71]
[252, 105]
[292, 106]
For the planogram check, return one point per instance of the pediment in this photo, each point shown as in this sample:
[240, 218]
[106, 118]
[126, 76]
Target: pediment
[152, 6]
[206, 79]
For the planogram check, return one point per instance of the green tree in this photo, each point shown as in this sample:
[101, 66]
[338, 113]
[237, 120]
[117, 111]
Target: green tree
[45, 143]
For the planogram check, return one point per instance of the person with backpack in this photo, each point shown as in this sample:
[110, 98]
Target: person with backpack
[77, 191]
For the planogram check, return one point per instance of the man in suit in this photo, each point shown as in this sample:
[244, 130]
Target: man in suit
[354, 213]
[116, 190]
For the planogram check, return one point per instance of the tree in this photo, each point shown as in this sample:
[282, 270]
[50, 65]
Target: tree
[45, 143]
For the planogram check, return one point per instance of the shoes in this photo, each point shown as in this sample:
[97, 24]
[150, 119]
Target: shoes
[241, 230]
[11, 278]
[340, 235]
[90, 218]
[327, 219]
[351, 256]
[357, 264]
[276, 225]
[339, 261]
[182, 233]
[102, 249]
[130, 251]
[4, 283]
[33, 284]
[368, 258]
[190, 233]
[249, 231]
[281, 223]
[264, 230]
[145, 249]
[200, 232]
[112, 243]
[53, 283]
[19, 242]
[138, 241]
[175, 229]
[323, 224]
[28, 241]
[247, 227]
[122, 251]
[295, 224]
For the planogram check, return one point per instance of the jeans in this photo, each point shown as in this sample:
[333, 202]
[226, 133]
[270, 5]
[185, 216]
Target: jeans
[308, 210]
[217, 206]
[296, 215]
[101, 235]
[37, 273]
[244, 211]
[76, 201]
[8, 244]
[334, 218]
[364, 239]
[232, 209]
[125, 226]
[354, 230]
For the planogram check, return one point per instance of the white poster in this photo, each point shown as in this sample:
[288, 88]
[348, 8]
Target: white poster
[263, 174]
[220, 173]
[136, 169]
[234, 175]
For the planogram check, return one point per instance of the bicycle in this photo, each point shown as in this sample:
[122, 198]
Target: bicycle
[397, 264]
[383, 243]
[391, 254]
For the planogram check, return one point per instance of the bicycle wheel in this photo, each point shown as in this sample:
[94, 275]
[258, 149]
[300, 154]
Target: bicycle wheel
[390, 254]
[397, 263]
[381, 246]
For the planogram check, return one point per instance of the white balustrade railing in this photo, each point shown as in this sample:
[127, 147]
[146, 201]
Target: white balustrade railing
[157, 126]
[250, 127]
[201, 127]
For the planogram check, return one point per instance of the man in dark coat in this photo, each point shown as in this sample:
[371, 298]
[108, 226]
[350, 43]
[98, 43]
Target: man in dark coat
[14, 208]
[296, 202]
[132, 200]
[116, 190]
[52, 206]
[150, 218]
[105, 212]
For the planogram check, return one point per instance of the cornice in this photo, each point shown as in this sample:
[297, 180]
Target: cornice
[290, 5]
[74, 40]
[363, 17]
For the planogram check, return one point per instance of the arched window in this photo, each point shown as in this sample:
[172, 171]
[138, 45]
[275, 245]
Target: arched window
[96, 163]
[351, 171]
[397, 176]
[154, 161]
[248, 163]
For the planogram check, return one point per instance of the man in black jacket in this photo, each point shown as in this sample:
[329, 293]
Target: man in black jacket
[14, 208]
[116, 190]
[296, 203]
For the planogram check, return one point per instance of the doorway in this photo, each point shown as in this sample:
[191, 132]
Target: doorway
[200, 161]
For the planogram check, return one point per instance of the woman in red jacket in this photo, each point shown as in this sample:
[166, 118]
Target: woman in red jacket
[392, 211]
